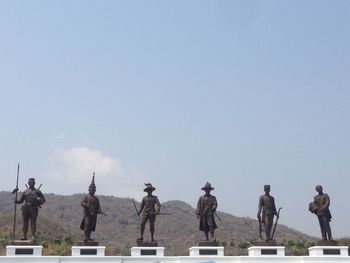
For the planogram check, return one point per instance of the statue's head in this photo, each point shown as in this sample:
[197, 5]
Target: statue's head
[149, 188]
[31, 182]
[319, 188]
[267, 188]
[92, 186]
[207, 187]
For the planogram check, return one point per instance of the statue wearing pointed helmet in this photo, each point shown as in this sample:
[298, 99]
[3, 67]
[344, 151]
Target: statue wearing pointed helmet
[92, 207]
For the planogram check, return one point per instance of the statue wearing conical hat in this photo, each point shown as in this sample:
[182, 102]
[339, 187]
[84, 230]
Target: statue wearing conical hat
[92, 207]
[205, 212]
[150, 207]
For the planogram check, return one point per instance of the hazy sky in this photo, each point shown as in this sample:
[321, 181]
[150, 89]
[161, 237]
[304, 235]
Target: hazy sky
[177, 93]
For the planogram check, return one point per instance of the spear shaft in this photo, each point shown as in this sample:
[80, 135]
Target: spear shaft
[15, 212]
[137, 212]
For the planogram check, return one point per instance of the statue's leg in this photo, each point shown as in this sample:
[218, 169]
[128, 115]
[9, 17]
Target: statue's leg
[268, 227]
[142, 227]
[211, 225]
[205, 226]
[34, 216]
[87, 229]
[87, 233]
[327, 228]
[152, 220]
[322, 227]
[211, 230]
[25, 223]
[151, 226]
[206, 233]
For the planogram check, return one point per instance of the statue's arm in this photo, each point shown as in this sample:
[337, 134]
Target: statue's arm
[199, 207]
[274, 206]
[327, 202]
[99, 211]
[41, 197]
[84, 202]
[158, 205]
[260, 206]
[215, 204]
[21, 199]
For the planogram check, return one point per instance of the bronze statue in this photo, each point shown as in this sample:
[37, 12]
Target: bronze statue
[92, 207]
[266, 213]
[33, 199]
[149, 212]
[205, 212]
[320, 207]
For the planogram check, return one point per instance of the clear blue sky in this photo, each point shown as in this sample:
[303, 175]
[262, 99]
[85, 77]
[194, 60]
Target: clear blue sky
[177, 93]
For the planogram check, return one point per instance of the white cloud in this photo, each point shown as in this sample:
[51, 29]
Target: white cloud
[70, 171]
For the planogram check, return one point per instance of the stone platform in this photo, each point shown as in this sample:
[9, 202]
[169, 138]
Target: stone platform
[147, 251]
[326, 251]
[88, 251]
[270, 251]
[16, 250]
[206, 251]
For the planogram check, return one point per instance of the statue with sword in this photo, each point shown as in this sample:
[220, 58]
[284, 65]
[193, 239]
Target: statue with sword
[150, 208]
[92, 208]
[266, 213]
[32, 199]
[206, 212]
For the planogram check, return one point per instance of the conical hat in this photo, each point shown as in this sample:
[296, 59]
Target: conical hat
[92, 185]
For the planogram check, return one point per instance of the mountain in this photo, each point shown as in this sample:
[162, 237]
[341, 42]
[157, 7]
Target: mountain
[59, 220]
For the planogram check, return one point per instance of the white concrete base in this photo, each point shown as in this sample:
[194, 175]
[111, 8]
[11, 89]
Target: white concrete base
[263, 251]
[206, 251]
[323, 251]
[24, 250]
[147, 251]
[83, 251]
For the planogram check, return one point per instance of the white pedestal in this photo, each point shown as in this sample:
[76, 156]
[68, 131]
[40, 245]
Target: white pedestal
[24, 250]
[147, 251]
[322, 251]
[83, 251]
[207, 251]
[257, 251]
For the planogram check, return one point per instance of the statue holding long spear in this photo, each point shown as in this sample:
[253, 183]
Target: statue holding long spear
[32, 200]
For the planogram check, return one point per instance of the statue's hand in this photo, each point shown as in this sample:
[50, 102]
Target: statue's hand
[39, 201]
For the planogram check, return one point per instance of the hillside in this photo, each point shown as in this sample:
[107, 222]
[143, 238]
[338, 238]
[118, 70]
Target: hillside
[60, 217]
